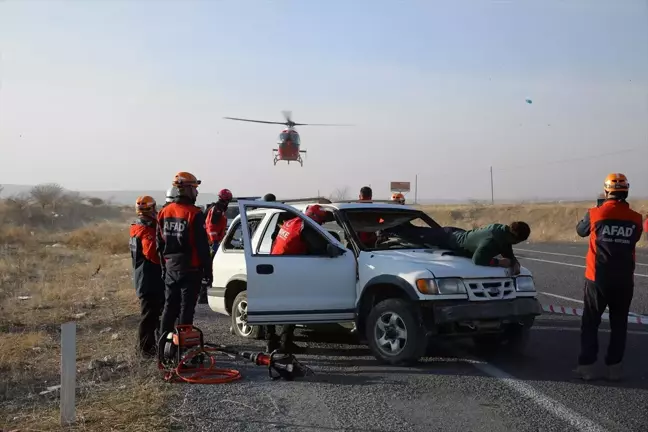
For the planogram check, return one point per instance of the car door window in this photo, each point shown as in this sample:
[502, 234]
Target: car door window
[265, 245]
[234, 239]
[317, 243]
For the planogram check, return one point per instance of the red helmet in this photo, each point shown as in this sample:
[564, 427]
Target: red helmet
[316, 213]
[225, 195]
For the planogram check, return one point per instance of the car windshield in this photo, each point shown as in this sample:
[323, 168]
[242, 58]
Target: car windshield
[396, 229]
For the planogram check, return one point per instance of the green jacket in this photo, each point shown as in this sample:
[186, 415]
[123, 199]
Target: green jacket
[484, 244]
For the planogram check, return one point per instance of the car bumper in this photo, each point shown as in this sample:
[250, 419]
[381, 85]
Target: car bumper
[216, 300]
[485, 311]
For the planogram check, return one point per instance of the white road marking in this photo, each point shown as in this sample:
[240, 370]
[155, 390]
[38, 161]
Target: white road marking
[562, 254]
[576, 329]
[561, 297]
[576, 420]
[570, 265]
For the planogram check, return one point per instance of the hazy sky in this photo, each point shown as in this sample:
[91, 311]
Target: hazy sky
[101, 94]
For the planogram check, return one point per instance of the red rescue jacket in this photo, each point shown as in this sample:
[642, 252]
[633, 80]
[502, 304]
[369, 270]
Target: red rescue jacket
[216, 225]
[613, 229]
[289, 240]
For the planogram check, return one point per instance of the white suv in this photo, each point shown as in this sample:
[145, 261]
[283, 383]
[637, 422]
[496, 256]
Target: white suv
[400, 293]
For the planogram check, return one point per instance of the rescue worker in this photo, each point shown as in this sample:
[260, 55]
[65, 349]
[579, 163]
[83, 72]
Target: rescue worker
[398, 198]
[295, 238]
[484, 244]
[368, 239]
[217, 219]
[614, 230]
[184, 252]
[269, 197]
[147, 273]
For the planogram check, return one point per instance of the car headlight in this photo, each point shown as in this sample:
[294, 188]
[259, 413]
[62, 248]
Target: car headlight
[441, 286]
[524, 284]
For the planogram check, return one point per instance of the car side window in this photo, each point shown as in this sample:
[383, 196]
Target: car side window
[316, 242]
[234, 239]
[265, 246]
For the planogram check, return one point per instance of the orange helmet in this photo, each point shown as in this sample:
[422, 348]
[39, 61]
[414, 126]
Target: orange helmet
[398, 197]
[616, 182]
[184, 178]
[145, 205]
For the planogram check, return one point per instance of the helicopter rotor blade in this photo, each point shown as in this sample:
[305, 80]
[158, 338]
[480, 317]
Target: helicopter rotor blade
[321, 124]
[287, 115]
[254, 121]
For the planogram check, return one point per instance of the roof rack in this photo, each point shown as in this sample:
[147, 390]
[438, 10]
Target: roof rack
[357, 201]
[251, 198]
[317, 200]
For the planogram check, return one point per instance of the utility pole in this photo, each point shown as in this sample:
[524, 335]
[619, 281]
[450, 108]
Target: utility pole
[492, 191]
[416, 189]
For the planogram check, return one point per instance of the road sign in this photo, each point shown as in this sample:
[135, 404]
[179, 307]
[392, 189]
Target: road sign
[399, 186]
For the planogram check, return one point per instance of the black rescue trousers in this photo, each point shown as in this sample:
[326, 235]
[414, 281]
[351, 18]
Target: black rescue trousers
[151, 306]
[597, 298]
[181, 293]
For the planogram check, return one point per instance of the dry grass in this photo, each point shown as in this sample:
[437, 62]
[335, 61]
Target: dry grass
[550, 222]
[47, 279]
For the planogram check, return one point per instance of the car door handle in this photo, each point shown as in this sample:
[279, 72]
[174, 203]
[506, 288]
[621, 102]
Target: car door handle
[265, 269]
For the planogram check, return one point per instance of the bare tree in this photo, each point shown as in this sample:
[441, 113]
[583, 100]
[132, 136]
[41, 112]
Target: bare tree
[340, 194]
[1, 189]
[46, 194]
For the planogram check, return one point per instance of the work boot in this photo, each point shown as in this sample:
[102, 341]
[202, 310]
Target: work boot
[586, 372]
[614, 372]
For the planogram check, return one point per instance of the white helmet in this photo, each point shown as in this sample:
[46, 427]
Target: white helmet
[171, 194]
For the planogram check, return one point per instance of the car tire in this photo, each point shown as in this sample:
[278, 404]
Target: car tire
[396, 323]
[240, 327]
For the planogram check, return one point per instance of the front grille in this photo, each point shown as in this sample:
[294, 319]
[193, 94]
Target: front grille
[490, 289]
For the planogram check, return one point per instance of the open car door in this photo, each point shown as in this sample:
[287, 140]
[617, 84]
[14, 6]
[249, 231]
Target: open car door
[297, 289]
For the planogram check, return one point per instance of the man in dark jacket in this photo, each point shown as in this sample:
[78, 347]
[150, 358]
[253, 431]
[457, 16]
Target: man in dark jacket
[614, 230]
[484, 244]
[184, 252]
[147, 273]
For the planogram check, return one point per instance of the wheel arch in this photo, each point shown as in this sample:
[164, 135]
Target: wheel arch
[236, 284]
[381, 288]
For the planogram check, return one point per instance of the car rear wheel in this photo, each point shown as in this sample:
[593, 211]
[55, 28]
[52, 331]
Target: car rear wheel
[239, 317]
[394, 332]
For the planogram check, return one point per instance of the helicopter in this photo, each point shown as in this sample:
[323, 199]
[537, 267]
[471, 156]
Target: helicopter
[288, 144]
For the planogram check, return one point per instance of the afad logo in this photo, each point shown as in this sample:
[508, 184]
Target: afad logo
[618, 231]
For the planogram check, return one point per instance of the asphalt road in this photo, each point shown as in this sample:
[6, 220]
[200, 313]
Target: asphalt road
[456, 389]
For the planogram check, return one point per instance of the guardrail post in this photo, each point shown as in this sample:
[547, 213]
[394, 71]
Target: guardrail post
[68, 373]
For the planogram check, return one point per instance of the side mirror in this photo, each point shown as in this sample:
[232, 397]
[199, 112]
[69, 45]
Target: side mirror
[237, 243]
[333, 251]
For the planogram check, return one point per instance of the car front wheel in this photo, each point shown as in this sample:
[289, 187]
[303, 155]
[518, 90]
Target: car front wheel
[394, 332]
[239, 316]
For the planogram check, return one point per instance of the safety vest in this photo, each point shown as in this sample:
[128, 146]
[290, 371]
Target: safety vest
[289, 240]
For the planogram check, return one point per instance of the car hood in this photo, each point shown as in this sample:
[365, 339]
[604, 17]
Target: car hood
[443, 263]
